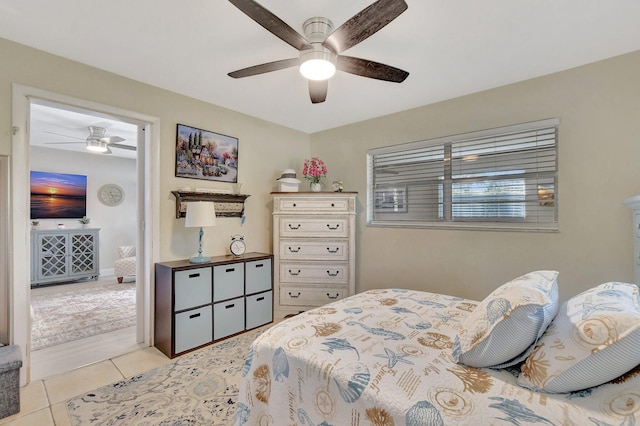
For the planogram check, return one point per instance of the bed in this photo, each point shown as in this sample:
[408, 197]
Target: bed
[386, 357]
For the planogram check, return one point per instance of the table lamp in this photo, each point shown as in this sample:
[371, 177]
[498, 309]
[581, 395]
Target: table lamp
[200, 214]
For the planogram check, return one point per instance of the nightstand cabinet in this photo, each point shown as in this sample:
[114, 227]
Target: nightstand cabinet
[314, 249]
[198, 304]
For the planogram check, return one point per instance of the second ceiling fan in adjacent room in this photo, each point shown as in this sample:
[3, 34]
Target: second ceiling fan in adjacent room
[97, 141]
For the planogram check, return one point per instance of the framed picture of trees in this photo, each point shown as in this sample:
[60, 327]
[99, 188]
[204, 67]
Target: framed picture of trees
[203, 154]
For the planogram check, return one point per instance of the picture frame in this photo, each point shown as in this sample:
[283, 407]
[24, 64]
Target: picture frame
[391, 200]
[207, 155]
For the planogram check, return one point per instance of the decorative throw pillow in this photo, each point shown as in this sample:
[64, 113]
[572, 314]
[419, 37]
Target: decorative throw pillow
[509, 321]
[594, 339]
[126, 251]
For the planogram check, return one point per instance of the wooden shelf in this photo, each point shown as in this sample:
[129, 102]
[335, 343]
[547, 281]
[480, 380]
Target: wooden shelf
[226, 205]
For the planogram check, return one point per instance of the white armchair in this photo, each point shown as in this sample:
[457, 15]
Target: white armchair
[126, 264]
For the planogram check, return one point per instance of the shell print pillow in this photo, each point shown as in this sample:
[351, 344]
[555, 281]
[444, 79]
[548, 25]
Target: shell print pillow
[594, 338]
[500, 330]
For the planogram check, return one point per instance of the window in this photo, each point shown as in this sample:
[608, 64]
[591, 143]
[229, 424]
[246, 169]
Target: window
[504, 178]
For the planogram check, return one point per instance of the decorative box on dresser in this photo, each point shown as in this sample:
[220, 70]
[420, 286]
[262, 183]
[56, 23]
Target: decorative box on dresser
[197, 304]
[634, 204]
[314, 249]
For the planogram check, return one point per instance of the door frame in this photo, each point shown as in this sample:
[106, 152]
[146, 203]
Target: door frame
[147, 213]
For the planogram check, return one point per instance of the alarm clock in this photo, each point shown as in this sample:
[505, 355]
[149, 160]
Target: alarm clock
[237, 246]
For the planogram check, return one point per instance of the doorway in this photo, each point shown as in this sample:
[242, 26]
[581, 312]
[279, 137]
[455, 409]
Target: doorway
[79, 311]
[146, 217]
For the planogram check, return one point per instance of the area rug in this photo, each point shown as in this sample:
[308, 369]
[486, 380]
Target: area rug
[76, 313]
[199, 388]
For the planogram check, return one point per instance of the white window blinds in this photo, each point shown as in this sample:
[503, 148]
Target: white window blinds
[504, 178]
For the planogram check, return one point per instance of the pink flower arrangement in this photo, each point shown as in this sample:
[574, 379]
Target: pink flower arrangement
[314, 169]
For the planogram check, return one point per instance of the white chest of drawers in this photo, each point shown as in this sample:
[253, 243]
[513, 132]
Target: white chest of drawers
[314, 249]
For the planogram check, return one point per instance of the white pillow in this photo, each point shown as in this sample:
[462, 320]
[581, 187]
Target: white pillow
[509, 321]
[595, 338]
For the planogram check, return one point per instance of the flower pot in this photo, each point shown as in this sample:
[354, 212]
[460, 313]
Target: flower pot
[316, 187]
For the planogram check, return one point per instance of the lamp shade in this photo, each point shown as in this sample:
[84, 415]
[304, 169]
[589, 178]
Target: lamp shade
[200, 214]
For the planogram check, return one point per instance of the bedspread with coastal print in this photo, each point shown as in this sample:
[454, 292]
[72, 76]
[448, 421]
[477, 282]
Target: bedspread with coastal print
[383, 358]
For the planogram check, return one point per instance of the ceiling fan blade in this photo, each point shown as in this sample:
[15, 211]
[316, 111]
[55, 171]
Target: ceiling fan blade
[66, 136]
[364, 24]
[272, 23]
[318, 90]
[127, 147]
[112, 139]
[264, 68]
[371, 69]
[60, 143]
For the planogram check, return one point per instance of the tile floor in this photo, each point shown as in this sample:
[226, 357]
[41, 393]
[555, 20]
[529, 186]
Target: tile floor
[42, 402]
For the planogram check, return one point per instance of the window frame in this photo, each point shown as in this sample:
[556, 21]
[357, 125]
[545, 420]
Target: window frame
[549, 222]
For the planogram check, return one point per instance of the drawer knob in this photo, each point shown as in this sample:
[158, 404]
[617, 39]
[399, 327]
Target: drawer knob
[230, 306]
[194, 275]
[294, 297]
[260, 299]
[230, 269]
[331, 274]
[294, 273]
[293, 250]
[294, 227]
[333, 297]
[194, 316]
[333, 251]
[333, 205]
[333, 228]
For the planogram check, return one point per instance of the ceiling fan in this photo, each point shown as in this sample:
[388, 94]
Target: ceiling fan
[321, 46]
[96, 141]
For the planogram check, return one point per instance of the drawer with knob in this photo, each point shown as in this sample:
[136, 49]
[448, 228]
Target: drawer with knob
[310, 296]
[295, 249]
[329, 272]
[313, 204]
[314, 226]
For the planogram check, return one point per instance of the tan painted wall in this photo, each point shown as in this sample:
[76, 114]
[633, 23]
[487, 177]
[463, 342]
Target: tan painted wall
[265, 149]
[599, 166]
[599, 108]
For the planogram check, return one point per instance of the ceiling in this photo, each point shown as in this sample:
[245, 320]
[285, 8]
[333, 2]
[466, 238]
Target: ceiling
[450, 48]
[61, 127]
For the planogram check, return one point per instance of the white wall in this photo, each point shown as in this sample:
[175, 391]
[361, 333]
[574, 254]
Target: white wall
[118, 223]
[599, 156]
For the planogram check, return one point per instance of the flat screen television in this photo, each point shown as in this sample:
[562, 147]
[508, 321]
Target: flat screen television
[58, 195]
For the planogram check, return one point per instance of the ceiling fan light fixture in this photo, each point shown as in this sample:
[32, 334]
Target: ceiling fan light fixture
[94, 140]
[317, 65]
[96, 145]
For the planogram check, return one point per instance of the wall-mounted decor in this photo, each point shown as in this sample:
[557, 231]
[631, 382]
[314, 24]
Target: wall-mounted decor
[58, 195]
[226, 205]
[111, 194]
[391, 200]
[202, 154]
